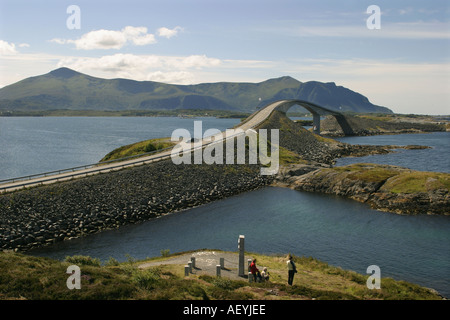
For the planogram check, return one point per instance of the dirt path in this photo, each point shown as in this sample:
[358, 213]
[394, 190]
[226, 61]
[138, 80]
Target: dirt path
[205, 263]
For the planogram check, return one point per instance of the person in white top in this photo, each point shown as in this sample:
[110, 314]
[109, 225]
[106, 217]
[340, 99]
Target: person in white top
[265, 274]
[292, 269]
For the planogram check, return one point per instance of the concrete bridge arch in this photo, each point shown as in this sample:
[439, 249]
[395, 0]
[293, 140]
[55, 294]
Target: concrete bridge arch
[317, 111]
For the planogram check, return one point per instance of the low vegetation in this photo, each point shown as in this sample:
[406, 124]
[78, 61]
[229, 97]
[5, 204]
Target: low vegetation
[35, 278]
[417, 181]
[396, 179]
[138, 148]
[366, 172]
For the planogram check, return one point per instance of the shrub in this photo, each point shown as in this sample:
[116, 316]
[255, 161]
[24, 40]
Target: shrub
[165, 252]
[112, 262]
[149, 147]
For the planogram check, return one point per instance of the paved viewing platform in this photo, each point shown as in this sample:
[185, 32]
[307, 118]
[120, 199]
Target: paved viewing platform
[206, 263]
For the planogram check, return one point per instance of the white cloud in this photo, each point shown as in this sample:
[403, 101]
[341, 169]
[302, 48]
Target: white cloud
[7, 48]
[122, 61]
[169, 33]
[193, 61]
[139, 35]
[58, 41]
[180, 77]
[111, 39]
[117, 39]
[100, 39]
[142, 67]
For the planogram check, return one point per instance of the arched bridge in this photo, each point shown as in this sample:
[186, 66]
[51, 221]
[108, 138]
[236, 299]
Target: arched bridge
[285, 105]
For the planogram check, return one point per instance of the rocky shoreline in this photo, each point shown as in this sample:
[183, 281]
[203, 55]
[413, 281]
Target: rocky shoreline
[367, 183]
[359, 126]
[383, 187]
[48, 214]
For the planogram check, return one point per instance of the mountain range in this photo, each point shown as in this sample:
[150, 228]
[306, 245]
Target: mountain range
[65, 88]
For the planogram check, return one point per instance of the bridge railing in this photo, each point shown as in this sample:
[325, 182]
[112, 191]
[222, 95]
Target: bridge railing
[49, 173]
[84, 173]
[100, 166]
[97, 168]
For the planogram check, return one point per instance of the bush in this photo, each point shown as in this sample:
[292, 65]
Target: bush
[112, 262]
[165, 253]
[149, 147]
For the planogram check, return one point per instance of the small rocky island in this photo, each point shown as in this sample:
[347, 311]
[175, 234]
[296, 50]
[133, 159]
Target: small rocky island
[383, 187]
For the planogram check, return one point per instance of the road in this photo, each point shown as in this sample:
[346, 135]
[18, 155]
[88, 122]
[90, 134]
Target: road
[254, 120]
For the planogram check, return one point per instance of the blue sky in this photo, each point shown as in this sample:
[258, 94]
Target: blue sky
[404, 65]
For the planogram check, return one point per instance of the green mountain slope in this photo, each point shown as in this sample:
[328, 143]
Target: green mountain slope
[67, 89]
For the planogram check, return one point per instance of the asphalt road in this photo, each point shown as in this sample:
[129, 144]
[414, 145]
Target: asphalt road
[252, 122]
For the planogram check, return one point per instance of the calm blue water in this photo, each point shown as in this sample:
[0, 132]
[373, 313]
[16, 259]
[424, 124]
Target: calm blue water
[339, 231]
[30, 145]
[435, 159]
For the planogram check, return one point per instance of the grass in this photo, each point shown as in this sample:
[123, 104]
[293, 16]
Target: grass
[138, 148]
[395, 179]
[36, 278]
[416, 181]
[289, 157]
[384, 117]
[367, 172]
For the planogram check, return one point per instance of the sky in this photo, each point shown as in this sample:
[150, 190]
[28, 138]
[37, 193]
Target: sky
[396, 53]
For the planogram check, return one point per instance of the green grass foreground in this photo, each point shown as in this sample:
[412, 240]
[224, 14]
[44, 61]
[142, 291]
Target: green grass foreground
[35, 278]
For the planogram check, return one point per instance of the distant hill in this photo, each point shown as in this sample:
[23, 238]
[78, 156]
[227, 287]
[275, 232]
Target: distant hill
[68, 89]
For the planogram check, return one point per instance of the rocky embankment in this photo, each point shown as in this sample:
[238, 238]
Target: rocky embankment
[317, 149]
[47, 214]
[360, 126]
[383, 187]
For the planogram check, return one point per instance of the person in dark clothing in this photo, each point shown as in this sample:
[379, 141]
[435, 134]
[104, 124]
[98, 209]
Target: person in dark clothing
[292, 270]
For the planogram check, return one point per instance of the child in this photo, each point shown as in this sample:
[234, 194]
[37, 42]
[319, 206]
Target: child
[265, 274]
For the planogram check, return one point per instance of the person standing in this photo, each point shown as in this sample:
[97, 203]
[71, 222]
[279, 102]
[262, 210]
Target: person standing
[253, 269]
[292, 270]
